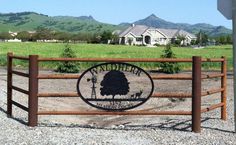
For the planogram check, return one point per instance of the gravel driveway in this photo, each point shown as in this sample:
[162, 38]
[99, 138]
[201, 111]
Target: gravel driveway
[117, 130]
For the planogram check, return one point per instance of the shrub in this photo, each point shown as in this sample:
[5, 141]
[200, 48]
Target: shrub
[169, 67]
[68, 66]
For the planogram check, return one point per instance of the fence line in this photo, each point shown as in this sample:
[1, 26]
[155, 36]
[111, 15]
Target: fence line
[196, 94]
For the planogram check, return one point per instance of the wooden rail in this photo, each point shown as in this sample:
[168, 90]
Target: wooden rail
[155, 95]
[20, 90]
[20, 73]
[19, 57]
[154, 77]
[20, 106]
[139, 112]
[212, 107]
[128, 59]
[196, 94]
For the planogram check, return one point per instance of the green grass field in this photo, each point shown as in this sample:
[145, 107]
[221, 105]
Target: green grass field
[112, 51]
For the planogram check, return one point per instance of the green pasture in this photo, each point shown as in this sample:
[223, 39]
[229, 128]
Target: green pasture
[112, 51]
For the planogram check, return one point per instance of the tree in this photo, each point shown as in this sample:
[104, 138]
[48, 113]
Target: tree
[169, 67]
[24, 36]
[193, 42]
[222, 40]
[44, 34]
[177, 42]
[202, 38]
[105, 36]
[130, 40]
[229, 39]
[5, 36]
[115, 39]
[181, 39]
[114, 83]
[68, 66]
[63, 36]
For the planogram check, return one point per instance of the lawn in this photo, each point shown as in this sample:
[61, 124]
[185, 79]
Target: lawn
[112, 51]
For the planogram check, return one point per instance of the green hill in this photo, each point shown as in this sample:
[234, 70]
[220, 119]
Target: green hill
[154, 21]
[31, 21]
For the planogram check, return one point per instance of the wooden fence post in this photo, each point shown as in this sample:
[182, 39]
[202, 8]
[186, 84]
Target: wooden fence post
[196, 94]
[33, 90]
[224, 85]
[9, 84]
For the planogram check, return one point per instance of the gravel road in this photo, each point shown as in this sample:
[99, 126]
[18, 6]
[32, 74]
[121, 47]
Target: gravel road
[115, 130]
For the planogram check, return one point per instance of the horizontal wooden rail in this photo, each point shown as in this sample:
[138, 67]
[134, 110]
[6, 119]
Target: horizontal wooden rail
[58, 76]
[20, 73]
[155, 77]
[155, 95]
[213, 59]
[210, 76]
[128, 59]
[20, 106]
[212, 107]
[212, 91]
[70, 76]
[116, 59]
[114, 113]
[20, 90]
[172, 95]
[20, 57]
[172, 77]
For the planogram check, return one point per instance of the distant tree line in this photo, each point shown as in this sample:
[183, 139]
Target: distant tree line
[224, 40]
[43, 34]
[203, 39]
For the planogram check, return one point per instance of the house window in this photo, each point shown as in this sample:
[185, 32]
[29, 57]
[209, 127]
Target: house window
[139, 39]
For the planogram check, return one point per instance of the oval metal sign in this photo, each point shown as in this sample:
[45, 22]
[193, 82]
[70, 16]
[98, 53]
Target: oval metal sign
[115, 86]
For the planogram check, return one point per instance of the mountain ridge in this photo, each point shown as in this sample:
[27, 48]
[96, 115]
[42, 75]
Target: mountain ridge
[213, 31]
[28, 21]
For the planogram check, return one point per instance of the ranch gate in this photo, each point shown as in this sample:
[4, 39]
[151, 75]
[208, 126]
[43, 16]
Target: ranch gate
[197, 94]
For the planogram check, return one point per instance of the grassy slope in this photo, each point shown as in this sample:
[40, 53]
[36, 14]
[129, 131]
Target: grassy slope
[68, 24]
[113, 51]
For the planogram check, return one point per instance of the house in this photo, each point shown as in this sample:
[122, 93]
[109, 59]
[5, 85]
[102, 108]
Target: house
[144, 35]
[13, 35]
[13, 40]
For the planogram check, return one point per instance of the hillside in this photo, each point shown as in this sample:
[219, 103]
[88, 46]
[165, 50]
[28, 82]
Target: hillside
[31, 21]
[154, 21]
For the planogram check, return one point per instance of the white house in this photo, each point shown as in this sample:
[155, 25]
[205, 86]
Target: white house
[13, 40]
[144, 35]
[13, 34]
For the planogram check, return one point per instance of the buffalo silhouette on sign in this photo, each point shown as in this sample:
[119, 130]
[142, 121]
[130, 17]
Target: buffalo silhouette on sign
[114, 83]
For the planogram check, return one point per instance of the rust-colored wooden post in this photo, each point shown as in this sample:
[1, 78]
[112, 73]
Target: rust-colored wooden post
[224, 85]
[33, 90]
[9, 84]
[196, 94]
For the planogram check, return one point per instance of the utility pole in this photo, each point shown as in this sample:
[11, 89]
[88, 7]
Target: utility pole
[234, 56]
[228, 9]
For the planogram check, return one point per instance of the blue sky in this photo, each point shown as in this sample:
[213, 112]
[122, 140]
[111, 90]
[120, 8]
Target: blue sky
[117, 11]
